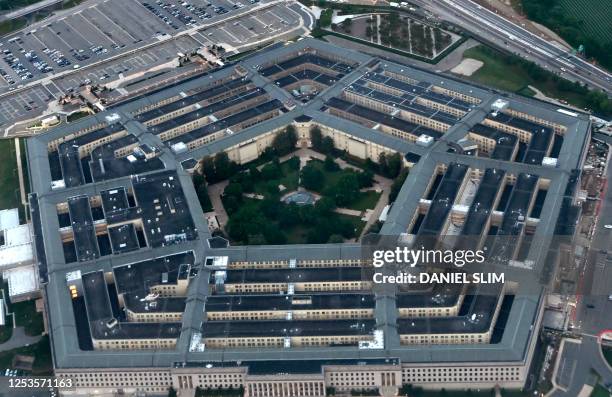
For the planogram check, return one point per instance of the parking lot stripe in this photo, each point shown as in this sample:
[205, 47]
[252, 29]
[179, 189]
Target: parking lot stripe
[113, 22]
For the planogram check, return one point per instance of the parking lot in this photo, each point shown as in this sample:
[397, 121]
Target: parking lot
[128, 64]
[237, 33]
[22, 105]
[92, 32]
[104, 40]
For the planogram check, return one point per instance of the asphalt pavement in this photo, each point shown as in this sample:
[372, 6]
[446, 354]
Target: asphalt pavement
[578, 362]
[505, 34]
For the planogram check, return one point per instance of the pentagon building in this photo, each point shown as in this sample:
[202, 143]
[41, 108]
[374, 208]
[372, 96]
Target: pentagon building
[141, 298]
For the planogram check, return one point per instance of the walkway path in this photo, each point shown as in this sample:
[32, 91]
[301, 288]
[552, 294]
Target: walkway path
[378, 209]
[19, 339]
[214, 192]
[381, 184]
[348, 211]
[22, 189]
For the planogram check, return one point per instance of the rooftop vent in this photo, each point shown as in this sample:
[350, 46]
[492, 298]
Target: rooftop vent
[111, 323]
[498, 106]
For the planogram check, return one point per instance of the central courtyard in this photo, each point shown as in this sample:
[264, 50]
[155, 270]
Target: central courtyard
[315, 194]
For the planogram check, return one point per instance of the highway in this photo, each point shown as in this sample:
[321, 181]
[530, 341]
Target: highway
[29, 9]
[496, 29]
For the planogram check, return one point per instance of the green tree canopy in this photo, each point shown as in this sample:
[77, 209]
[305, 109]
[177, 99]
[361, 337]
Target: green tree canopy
[311, 177]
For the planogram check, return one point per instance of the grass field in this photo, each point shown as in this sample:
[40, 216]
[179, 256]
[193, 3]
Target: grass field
[596, 22]
[24, 165]
[9, 182]
[6, 331]
[600, 391]
[299, 234]
[26, 316]
[496, 72]
[289, 180]
[356, 221]
[43, 364]
[501, 72]
[11, 25]
[76, 116]
[366, 200]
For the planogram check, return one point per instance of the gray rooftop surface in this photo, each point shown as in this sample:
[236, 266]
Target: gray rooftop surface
[354, 66]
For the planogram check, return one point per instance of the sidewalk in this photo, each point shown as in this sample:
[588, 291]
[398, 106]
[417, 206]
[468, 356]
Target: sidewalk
[19, 339]
[214, 192]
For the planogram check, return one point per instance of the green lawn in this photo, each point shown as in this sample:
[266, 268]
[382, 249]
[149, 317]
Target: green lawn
[299, 233]
[24, 165]
[289, 180]
[496, 72]
[9, 183]
[600, 391]
[11, 25]
[76, 116]
[43, 364]
[356, 221]
[508, 73]
[329, 177]
[26, 316]
[366, 200]
[6, 331]
[607, 352]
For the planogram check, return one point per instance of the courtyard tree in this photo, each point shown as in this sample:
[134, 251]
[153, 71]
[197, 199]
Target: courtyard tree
[365, 178]
[199, 183]
[289, 215]
[257, 239]
[327, 145]
[284, 142]
[208, 169]
[316, 137]
[324, 207]
[271, 170]
[347, 24]
[311, 177]
[390, 165]
[346, 189]
[397, 185]
[255, 173]
[335, 239]
[271, 207]
[247, 221]
[330, 164]
[232, 197]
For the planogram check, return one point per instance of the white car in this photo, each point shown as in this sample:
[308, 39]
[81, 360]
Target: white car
[608, 226]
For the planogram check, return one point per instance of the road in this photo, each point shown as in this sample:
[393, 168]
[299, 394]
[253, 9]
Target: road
[503, 33]
[593, 311]
[28, 10]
